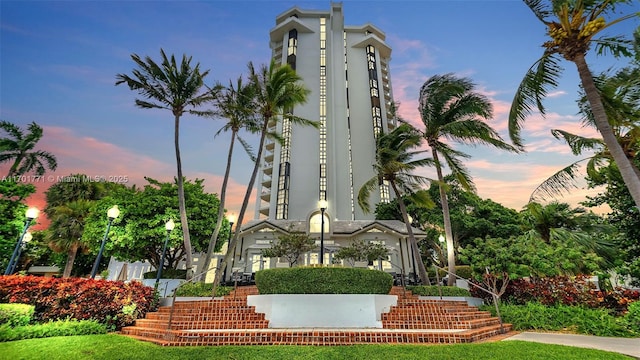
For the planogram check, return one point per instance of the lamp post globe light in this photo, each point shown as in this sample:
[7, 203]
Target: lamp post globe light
[169, 226]
[112, 214]
[322, 204]
[30, 214]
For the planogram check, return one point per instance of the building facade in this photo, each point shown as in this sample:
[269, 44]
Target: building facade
[347, 70]
[314, 175]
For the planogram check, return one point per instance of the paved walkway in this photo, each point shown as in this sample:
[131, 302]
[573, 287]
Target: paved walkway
[624, 346]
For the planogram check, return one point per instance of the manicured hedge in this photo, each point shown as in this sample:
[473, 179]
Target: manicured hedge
[323, 280]
[437, 290]
[113, 303]
[16, 314]
[52, 328]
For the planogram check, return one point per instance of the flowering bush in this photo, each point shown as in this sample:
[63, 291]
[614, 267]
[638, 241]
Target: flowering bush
[113, 303]
[565, 290]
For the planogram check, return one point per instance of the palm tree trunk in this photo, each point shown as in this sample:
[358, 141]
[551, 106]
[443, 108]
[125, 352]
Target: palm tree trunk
[71, 258]
[181, 203]
[223, 194]
[422, 271]
[446, 216]
[629, 176]
[247, 197]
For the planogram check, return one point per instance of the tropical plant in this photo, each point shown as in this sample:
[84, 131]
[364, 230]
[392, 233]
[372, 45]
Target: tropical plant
[572, 26]
[360, 250]
[559, 222]
[16, 146]
[290, 247]
[451, 109]
[66, 229]
[277, 88]
[178, 88]
[395, 163]
[236, 104]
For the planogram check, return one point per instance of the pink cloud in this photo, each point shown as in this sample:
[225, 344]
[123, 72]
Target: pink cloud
[86, 155]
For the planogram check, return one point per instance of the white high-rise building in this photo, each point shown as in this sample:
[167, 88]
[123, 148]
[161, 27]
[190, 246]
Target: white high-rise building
[347, 70]
[314, 175]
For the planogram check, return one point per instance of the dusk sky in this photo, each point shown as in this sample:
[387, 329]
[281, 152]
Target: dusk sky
[59, 61]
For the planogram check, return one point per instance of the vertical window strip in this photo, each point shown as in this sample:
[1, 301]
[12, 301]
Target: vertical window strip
[376, 115]
[346, 76]
[322, 185]
[282, 199]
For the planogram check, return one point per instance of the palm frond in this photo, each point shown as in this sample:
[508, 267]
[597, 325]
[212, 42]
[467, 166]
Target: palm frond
[364, 194]
[247, 149]
[563, 181]
[540, 9]
[618, 46]
[538, 80]
[577, 143]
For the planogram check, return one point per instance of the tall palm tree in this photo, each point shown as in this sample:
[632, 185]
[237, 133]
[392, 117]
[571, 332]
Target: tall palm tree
[66, 229]
[572, 26]
[180, 89]
[450, 109]
[395, 163]
[277, 88]
[236, 104]
[18, 147]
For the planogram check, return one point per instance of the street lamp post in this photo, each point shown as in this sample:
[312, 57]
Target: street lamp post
[112, 214]
[169, 225]
[322, 204]
[25, 239]
[31, 214]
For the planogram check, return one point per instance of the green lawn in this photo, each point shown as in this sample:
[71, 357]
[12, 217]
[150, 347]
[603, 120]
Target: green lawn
[116, 347]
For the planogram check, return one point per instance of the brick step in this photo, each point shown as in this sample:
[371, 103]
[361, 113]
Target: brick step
[433, 310]
[317, 336]
[206, 304]
[245, 315]
[204, 308]
[204, 324]
[443, 324]
[399, 315]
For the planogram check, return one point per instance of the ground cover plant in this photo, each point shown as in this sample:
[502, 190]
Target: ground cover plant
[111, 346]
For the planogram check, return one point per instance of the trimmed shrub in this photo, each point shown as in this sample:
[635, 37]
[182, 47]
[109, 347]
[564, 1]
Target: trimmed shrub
[69, 327]
[323, 280]
[166, 274]
[113, 303]
[16, 314]
[202, 290]
[464, 271]
[437, 290]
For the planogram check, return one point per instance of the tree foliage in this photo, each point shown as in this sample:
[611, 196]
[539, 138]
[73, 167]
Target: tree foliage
[138, 234]
[290, 246]
[362, 251]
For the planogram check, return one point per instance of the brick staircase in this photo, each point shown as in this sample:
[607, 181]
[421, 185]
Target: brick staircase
[232, 322]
